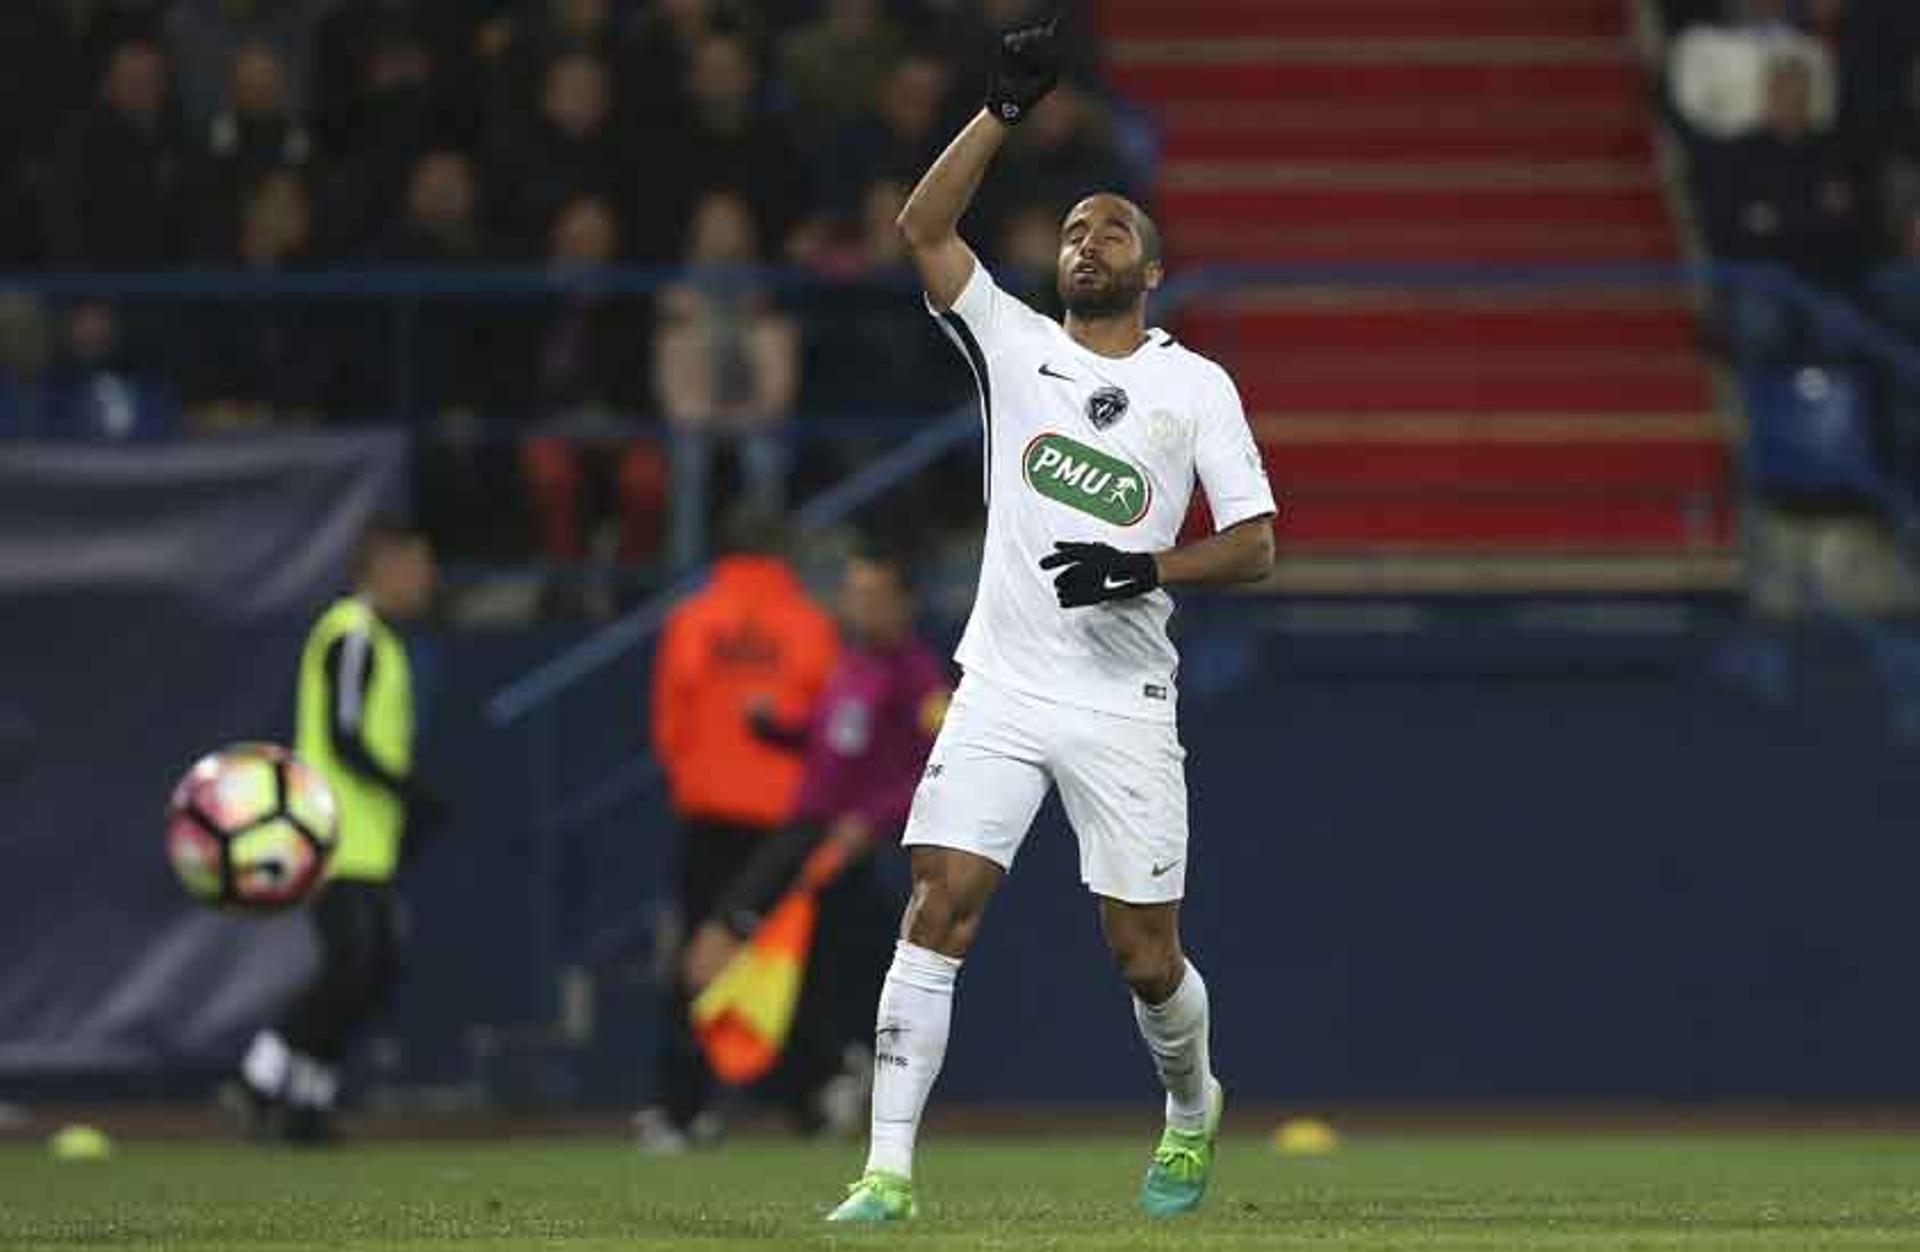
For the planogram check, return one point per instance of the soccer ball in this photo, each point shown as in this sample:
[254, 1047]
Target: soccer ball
[250, 827]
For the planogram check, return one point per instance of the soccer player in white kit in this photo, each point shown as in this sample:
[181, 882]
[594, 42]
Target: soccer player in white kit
[1095, 434]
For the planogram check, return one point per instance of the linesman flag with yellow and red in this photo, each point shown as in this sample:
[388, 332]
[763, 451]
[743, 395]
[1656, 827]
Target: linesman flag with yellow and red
[743, 1017]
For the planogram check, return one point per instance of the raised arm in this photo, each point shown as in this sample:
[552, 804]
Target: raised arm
[1024, 72]
[930, 223]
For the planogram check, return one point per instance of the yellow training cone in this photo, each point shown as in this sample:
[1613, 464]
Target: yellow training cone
[80, 1143]
[1304, 1136]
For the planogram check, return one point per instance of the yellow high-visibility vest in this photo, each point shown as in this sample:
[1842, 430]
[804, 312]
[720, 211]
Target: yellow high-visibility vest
[372, 818]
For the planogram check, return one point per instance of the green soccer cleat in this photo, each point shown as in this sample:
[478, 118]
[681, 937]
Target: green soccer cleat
[877, 1197]
[1177, 1176]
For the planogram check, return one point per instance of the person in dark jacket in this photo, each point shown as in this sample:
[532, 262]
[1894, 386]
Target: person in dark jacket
[120, 172]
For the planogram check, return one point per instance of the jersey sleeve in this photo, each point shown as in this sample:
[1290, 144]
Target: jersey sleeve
[1229, 463]
[984, 318]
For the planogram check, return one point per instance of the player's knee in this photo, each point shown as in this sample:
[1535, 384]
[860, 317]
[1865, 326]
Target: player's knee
[1150, 966]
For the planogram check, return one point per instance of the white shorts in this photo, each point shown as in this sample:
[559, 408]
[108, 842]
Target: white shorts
[1122, 780]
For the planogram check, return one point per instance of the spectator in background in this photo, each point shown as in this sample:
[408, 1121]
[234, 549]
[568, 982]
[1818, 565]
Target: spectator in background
[379, 106]
[568, 150]
[204, 36]
[253, 134]
[1900, 172]
[267, 361]
[1720, 74]
[903, 135]
[731, 143]
[1785, 196]
[441, 225]
[465, 363]
[751, 642]
[864, 246]
[1895, 294]
[1029, 254]
[590, 375]
[104, 25]
[872, 361]
[26, 357]
[41, 81]
[117, 196]
[726, 363]
[520, 47]
[667, 39]
[832, 64]
[92, 388]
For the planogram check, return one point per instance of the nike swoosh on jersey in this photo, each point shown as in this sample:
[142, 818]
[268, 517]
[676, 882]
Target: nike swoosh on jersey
[1047, 371]
[1158, 870]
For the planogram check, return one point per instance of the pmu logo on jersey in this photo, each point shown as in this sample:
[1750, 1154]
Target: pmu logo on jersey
[1070, 473]
[1106, 407]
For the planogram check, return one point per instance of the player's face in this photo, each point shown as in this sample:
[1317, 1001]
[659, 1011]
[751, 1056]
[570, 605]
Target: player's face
[875, 607]
[1103, 268]
[407, 576]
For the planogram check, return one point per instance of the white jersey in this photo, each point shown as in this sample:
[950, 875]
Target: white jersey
[1096, 449]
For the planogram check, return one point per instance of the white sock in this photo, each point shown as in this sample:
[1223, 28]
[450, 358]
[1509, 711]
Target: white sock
[266, 1065]
[312, 1084]
[909, 1043]
[1176, 1035]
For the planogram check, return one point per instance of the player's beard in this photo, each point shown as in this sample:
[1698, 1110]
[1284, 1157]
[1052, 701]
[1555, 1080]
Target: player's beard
[1117, 297]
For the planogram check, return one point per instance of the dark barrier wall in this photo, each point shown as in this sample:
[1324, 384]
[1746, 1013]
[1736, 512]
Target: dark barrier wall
[1484, 863]
[1463, 864]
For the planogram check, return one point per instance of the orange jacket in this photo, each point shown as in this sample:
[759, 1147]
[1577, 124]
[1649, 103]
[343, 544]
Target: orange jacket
[750, 636]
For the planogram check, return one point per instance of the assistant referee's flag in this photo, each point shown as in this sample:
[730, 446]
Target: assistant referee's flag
[743, 1017]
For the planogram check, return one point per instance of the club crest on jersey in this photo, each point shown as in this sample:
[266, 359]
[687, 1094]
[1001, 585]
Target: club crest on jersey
[1069, 472]
[1106, 406]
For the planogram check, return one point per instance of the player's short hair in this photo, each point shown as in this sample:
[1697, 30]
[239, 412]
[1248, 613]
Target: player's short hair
[753, 530]
[1151, 245]
[379, 537]
[889, 555]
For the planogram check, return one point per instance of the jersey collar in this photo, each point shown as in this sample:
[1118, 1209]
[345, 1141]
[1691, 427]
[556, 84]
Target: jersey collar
[1156, 338]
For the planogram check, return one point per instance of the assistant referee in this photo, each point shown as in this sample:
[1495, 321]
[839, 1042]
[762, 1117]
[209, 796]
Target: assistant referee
[355, 725]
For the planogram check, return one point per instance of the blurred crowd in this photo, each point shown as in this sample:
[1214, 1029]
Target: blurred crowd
[1802, 124]
[278, 137]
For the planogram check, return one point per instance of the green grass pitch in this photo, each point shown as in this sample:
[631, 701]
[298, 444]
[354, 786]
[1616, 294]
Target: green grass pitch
[1801, 1191]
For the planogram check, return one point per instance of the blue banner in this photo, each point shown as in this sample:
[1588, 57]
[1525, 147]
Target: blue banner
[152, 603]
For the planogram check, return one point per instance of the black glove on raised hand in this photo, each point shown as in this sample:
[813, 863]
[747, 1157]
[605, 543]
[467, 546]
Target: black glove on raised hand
[1094, 573]
[1027, 69]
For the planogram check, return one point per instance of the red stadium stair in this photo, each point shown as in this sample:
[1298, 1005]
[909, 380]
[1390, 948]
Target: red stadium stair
[1441, 436]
